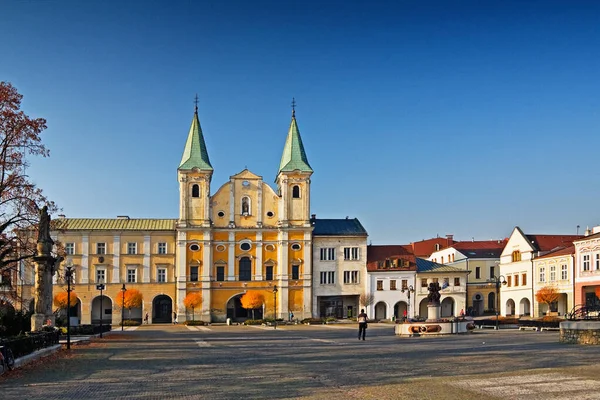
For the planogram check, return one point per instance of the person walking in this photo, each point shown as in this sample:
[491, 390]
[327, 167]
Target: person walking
[405, 314]
[174, 318]
[146, 319]
[362, 324]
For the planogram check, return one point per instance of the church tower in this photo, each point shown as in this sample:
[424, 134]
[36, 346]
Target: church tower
[194, 175]
[293, 179]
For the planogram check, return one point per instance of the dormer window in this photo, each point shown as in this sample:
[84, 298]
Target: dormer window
[437, 247]
[516, 256]
[296, 192]
[195, 191]
[246, 206]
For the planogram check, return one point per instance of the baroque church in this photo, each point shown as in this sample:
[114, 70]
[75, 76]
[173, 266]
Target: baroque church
[244, 236]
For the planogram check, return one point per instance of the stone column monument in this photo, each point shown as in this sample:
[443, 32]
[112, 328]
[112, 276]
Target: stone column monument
[434, 306]
[45, 267]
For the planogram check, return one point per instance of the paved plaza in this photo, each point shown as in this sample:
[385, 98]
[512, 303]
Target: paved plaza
[312, 362]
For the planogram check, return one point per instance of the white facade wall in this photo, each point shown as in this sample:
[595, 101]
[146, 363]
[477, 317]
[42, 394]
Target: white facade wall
[458, 294]
[339, 265]
[518, 293]
[386, 298]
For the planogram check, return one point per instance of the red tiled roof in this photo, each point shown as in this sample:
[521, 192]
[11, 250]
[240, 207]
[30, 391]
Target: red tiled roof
[550, 242]
[563, 251]
[373, 266]
[480, 244]
[381, 252]
[425, 248]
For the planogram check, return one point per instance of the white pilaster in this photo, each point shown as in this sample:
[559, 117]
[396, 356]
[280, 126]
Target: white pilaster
[207, 273]
[259, 204]
[181, 268]
[231, 201]
[84, 276]
[307, 269]
[116, 271]
[259, 257]
[146, 266]
[183, 198]
[231, 258]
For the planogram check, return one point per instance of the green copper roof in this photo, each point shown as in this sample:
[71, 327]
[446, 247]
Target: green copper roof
[294, 156]
[195, 154]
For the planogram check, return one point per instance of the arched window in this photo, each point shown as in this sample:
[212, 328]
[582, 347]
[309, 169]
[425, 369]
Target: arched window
[245, 269]
[296, 192]
[492, 301]
[516, 256]
[195, 191]
[246, 206]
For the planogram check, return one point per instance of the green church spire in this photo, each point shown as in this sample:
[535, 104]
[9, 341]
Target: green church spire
[195, 154]
[294, 156]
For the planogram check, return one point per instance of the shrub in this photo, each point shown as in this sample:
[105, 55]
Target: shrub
[194, 323]
[330, 319]
[254, 322]
[131, 322]
[313, 321]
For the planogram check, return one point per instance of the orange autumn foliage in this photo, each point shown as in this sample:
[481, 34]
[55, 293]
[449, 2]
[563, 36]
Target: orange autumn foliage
[192, 300]
[133, 299]
[598, 291]
[60, 299]
[547, 294]
[252, 299]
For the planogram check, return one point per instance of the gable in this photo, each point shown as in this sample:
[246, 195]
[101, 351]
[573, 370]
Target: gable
[517, 241]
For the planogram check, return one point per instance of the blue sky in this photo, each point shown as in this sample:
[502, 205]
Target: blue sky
[419, 117]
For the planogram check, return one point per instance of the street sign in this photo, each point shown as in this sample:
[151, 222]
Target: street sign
[100, 287]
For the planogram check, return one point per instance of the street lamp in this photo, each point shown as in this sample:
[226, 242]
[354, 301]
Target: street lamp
[68, 276]
[123, 289]
[101, 287]
[410, 289]
[498, 280]
[275, 306]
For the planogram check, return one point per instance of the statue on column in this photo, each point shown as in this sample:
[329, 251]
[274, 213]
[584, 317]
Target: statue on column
[45, 266]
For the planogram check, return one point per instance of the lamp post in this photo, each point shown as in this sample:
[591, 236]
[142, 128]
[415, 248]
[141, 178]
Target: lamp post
[123, 289]
[497, 280]
[275, 307]
[100, 287]
[410, 289]
[68, 276]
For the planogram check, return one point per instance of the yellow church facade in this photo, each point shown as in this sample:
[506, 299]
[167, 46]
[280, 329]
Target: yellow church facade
[245, 235]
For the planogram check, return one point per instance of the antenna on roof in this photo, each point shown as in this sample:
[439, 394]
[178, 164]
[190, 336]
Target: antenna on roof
[577, 229]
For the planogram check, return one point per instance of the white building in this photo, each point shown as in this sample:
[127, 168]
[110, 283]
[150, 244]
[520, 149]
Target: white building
[452, 280]
[516, 268]
[555, 270]
[391, 273]
[339, 267]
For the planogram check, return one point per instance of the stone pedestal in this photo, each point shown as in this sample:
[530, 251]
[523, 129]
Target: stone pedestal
[433, 312]
[38, 321]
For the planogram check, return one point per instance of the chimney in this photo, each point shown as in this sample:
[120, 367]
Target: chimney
[449, 240]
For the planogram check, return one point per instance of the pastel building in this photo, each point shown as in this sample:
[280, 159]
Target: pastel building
[587, 269]
[555, 270]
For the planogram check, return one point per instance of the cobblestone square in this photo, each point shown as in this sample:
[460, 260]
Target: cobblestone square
[312, 362]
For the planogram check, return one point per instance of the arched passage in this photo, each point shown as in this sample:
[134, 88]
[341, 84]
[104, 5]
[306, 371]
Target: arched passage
[478, 304]
[101, 308]
[162, 309]
[510, 307]
[491, 302]
[399, 309]
[380, 310]
[236, 312]
[447, 309]
[524, 306]
[423, 308]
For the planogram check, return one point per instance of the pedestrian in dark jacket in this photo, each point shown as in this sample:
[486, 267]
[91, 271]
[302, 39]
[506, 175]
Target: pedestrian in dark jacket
[362, 324]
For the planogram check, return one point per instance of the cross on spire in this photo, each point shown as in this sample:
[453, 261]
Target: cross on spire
[293, 106]
[196, 103]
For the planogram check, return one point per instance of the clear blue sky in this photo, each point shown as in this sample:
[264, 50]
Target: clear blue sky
[420, 118]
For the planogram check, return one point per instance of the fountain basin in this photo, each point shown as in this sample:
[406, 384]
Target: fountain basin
[434, 328]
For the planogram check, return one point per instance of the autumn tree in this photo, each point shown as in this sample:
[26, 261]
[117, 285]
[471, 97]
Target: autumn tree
[20, 199]
[547, 295]
[192, 300]
[60, 300]
[132, 299]
[366, 299]
[252, 300]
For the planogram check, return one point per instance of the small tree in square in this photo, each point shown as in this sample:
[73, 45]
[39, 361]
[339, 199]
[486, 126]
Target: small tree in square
[133, 299]
[252, 300]
[60, 300]
[366, 299]
[193, 300]
[547, 295]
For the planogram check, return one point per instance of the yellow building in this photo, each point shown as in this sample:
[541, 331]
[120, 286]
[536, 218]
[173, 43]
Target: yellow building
[244, 236]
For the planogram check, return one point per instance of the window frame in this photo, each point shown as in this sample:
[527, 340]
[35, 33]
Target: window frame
[131, 278]
[161, 271]
[327, 254]
[194, 273]
[101, 248]
[379, 284]
[70, 248]
[295, 272]
[103, 270]
[162, 248]
[132, 246]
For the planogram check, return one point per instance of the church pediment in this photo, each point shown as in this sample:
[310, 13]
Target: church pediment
[246, 174]
[270, 261]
